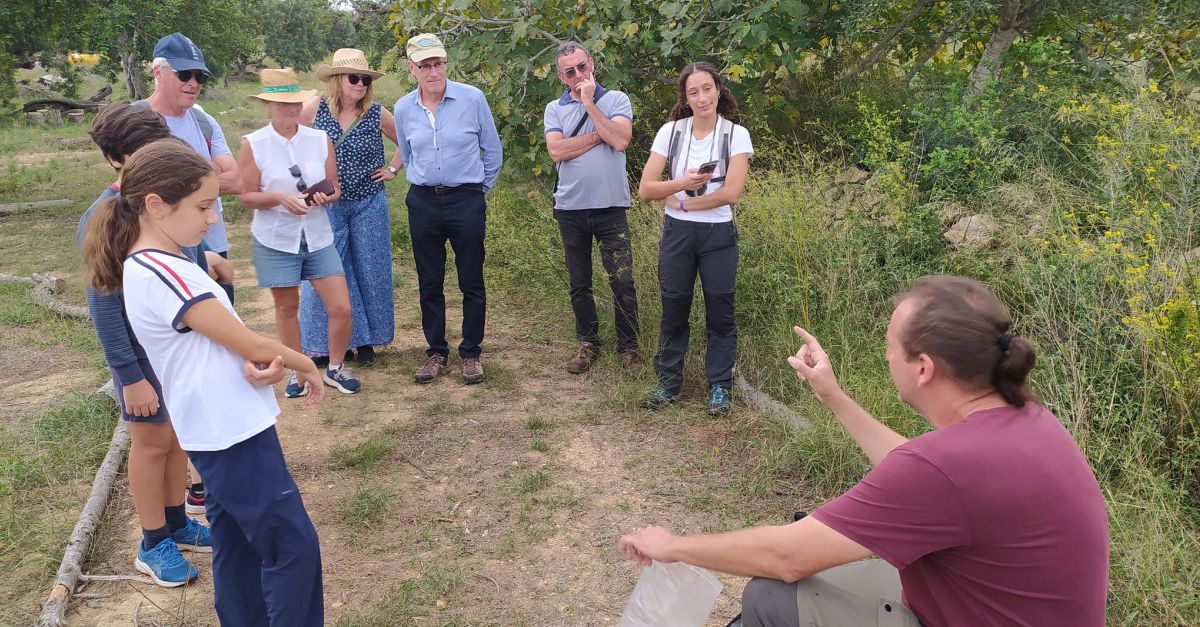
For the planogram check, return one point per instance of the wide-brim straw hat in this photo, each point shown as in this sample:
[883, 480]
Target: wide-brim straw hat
[281, 85]
[346, 61]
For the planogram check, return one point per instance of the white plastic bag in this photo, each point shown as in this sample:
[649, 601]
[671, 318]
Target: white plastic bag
[671, 595]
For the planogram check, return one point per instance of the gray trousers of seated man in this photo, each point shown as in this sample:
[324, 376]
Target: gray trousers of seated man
[861, 594]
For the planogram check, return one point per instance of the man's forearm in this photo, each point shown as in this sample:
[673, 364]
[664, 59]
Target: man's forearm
[614, 133]
[230, 182]
[873, 437]
[570, 147]
[752, 552]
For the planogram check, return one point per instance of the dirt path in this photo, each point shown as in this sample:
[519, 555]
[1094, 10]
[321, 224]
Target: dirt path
[447, 504]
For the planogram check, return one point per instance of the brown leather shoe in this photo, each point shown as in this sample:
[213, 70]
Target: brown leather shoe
[630, 360]
[583, 360]
[431, 369]
[472, 370]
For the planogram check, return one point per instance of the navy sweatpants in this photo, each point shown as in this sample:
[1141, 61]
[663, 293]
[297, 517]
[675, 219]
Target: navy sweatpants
[266, 557]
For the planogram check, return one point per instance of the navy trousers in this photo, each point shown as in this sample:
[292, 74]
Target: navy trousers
[709, 250]
[266, 557]
[459, 215]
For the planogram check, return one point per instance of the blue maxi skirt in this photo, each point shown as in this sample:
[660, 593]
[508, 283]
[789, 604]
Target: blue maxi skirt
[362, 234]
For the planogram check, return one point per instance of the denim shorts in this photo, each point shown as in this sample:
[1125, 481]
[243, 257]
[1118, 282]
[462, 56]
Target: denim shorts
[276, 268]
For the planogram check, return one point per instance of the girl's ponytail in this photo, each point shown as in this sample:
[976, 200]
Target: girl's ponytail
[110, 235]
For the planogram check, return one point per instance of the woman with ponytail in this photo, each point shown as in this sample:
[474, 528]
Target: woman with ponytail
[266, 558]
[706, 158]
[992, 518]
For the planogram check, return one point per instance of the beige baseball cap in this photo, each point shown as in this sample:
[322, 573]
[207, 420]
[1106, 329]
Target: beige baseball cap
[424, 46]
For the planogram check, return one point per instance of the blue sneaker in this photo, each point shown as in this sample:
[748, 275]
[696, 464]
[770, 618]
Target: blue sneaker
[342, 380]
[718, 401]
[659, 399]
[165, 564]
[194, 537]
[294, 388]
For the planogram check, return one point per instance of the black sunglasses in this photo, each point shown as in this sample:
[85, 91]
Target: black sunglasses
[300, 184]
[356, 79]
[570, 72]
[187, 75]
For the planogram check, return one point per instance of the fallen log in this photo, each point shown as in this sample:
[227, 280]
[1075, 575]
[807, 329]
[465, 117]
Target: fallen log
[762, 402]
[55, 609]
[61, 103]
[14, 207]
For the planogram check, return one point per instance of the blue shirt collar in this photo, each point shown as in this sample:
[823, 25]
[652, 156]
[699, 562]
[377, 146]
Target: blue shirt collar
[451, 93]
[567, 99]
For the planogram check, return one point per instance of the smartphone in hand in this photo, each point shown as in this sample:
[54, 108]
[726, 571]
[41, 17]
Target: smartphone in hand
[707, 168]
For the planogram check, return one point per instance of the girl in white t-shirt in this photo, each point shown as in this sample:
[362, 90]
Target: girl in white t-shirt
[707, 158]
[266, 557]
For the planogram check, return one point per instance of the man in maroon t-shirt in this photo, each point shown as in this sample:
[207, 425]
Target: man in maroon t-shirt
[992, 518]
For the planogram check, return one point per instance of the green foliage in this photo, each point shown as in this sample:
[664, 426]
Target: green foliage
[299, 33]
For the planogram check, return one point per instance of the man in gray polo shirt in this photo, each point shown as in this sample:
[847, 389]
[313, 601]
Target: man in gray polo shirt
[587, 131]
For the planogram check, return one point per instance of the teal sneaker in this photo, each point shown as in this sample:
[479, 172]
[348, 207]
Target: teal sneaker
[165, 564]
[295, 389]
[718, 401]
[659, 399]
[194, 537]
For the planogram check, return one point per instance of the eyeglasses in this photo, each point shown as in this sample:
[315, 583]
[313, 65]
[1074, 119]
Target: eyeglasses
[300, 184]
[570, 72]
[426, 67]
[356, 79]
[187, 75]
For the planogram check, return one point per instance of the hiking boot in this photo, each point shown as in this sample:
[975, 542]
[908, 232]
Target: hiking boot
[194, 537]
[365, 356]
[165, 564]
[583, 361]
[659, 399]
[631, 360]
[342, 380]
[472, 370]
[294, 388]
[193, 503]
[431, 369]
[718, 401]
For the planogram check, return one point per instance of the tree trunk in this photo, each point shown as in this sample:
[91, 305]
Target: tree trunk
[1013, 20]
[881, 48]
[134, 82]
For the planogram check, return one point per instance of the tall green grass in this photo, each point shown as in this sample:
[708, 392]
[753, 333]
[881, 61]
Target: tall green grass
[1090, 263]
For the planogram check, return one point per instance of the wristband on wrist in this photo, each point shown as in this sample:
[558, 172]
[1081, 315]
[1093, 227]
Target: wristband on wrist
[682, 205]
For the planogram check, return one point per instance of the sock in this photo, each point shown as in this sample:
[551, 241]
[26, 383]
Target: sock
[197, 489]
[228, 287]
[334, 367]
[176, 517]
[151, 537]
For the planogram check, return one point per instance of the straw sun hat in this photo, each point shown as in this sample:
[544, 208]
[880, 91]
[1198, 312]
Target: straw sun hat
[346, 61]
[282, 85]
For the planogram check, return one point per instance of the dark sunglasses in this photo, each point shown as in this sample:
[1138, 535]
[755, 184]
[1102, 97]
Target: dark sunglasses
[356, 79]
[300, 184]
[187, 75]
[570, 72]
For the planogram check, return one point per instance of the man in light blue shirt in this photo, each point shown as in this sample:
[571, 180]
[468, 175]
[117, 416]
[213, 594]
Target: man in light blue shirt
[452, 156]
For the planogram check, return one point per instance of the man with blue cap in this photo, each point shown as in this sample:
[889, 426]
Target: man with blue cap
[179, 75]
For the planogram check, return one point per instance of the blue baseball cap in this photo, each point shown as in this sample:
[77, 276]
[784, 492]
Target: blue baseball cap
[181, 53]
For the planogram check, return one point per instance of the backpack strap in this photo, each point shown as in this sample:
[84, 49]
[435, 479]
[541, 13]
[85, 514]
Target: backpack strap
[206, 127]
[725, 137]
[673, 149]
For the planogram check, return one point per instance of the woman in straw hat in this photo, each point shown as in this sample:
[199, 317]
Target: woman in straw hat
[361, 221]
[293, 240]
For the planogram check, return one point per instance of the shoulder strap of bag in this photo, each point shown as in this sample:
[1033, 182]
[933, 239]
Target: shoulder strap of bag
[206, 127]
[673, 148]
[575, 132]
[346, 133]
[725, 137]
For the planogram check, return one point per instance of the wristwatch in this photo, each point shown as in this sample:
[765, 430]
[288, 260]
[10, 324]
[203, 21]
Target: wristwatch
[393, 169]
